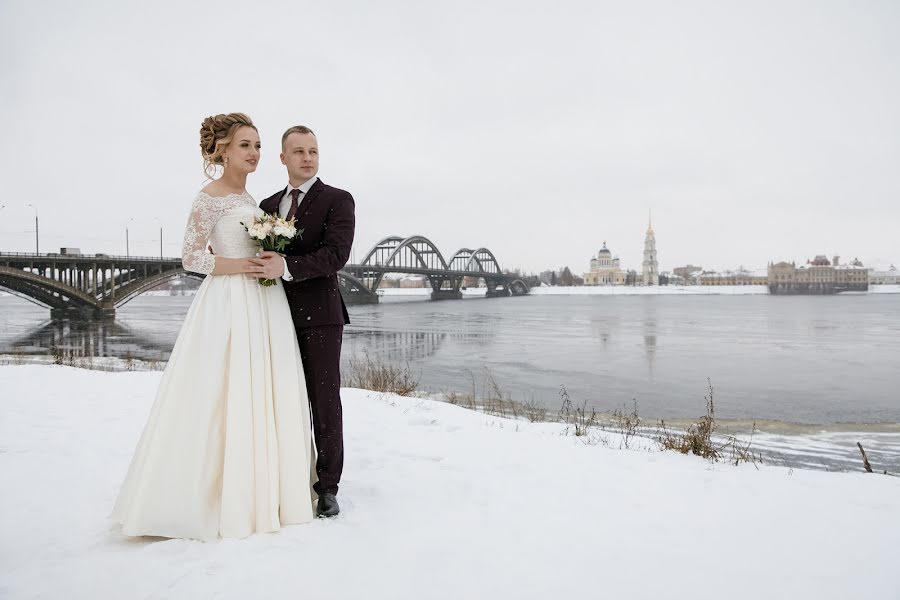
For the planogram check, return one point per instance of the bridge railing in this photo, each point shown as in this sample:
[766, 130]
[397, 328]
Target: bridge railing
[98, 256]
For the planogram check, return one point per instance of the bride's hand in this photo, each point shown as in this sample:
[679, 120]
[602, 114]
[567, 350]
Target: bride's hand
[271, 263]
[237, 266]
[251, 266]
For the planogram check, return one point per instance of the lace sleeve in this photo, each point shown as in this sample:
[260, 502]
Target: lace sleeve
[204, 214]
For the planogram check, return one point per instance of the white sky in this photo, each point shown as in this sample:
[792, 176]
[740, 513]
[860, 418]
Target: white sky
[753, 130]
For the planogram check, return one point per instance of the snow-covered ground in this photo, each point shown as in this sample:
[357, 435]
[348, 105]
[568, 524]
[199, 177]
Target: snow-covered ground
[682, 290]
[438, 502]
[884, 289]
[633, 290]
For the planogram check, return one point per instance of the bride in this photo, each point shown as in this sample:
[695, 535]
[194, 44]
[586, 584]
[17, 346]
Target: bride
[227, 449]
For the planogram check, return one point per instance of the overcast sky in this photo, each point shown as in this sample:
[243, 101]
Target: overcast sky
[755, 131]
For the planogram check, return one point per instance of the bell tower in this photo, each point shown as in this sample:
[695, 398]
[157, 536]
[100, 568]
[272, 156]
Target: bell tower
[651, 265]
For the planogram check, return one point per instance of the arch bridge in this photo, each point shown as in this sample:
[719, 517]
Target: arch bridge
[84, 285]
[417, 255]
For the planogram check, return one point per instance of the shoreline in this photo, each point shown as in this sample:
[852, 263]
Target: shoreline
[814, 447]
[735, 426]
[627, 290]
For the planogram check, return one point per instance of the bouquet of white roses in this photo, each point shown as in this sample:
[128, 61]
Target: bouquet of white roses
[272, 233]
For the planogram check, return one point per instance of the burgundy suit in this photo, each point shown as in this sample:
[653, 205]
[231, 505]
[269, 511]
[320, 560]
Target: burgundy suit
[326, 216]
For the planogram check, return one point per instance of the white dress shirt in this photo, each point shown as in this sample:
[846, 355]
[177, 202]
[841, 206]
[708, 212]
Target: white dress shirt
[285, 205]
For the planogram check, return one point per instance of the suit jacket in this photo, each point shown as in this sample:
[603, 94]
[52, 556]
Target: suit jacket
[326, 216]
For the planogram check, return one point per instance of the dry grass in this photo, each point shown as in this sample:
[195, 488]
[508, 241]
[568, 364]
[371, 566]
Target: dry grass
[626, 423]
[69, 358]
[373, 374]
[497, 402]
[575, 416]
[534, 411]
[488, 397]
[701, 439]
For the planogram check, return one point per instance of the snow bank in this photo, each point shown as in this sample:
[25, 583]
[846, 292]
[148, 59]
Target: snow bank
[438, 502]
[632, 290]
[884, 289]
[623, 290]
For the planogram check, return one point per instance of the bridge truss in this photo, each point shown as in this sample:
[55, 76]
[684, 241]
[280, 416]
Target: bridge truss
[417, 255]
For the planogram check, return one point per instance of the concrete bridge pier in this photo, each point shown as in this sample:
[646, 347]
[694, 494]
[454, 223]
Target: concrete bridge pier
[446, 295]
[359, 298]
[82, 313]
[497, 292]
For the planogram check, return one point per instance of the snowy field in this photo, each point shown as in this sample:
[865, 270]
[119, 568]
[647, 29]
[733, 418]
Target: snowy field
[438, 502]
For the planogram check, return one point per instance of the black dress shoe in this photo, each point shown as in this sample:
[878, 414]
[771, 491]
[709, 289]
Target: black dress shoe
[328, 506]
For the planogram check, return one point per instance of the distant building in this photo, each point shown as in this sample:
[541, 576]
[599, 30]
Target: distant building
[739, 277]
[651, 264]
[818, 276]
[413, 281]
[686, 275]
[604, 269]
[889, 277]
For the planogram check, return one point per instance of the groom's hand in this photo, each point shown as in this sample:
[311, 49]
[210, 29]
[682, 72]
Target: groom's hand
[272, 264]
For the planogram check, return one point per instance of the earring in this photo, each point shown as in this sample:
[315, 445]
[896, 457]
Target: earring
[226, 160]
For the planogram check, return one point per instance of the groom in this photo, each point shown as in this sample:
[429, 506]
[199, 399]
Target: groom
[309, 270]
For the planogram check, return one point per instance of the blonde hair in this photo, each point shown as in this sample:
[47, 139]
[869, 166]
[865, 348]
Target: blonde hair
[295, 129]
[216, 133]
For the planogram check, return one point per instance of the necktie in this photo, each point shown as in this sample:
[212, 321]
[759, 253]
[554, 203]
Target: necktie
[292, 211]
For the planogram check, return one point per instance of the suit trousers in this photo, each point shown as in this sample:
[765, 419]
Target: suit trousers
[320, 350]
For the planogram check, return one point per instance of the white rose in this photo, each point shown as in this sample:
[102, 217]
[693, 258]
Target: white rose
[257, 231]
[281, 230]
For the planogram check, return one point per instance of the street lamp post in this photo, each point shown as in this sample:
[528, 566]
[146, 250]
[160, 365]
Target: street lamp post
[37, 239]
[127, 244]
[160, 238]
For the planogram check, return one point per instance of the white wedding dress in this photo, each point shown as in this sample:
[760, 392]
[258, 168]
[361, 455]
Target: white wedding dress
[227, 449]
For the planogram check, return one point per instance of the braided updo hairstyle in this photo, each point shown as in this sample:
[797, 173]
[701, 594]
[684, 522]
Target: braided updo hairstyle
[215, 134]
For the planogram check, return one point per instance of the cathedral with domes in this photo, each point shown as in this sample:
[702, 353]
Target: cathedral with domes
[604, 269]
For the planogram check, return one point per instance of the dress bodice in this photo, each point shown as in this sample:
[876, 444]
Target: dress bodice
[218, 221]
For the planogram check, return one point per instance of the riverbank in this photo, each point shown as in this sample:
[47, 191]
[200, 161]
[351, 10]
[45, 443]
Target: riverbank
[438, 502]
[624, 290]
[831, 447]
